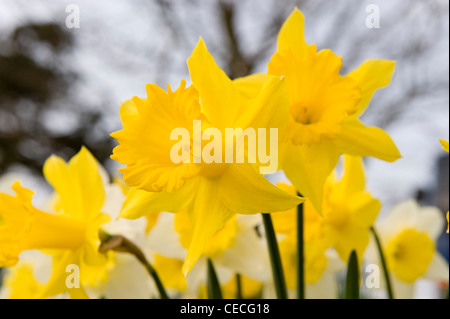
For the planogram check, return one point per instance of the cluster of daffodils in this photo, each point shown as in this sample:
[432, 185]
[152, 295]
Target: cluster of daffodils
[196, 228]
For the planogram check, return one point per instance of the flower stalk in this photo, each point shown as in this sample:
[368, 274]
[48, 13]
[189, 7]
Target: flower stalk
[300, 253]
[121, 244]
[383, 264]
[214, 291]
[352, 281]
[275, 259]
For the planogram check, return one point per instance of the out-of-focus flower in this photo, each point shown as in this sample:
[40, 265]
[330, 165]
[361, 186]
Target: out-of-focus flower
[348, 212]
[20, 281]
[408, 235]
[234, 249]
[212, 193]
[120, 276]
[320, 263]
[324, 110]
[444, 144]
[72, 233]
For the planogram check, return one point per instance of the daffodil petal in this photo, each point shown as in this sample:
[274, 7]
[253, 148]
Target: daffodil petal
[139, 203]
[78, 183]
[291, 36]
[269, 108]
[308, 166]
[431, 221]
[364, 208]
[371, 76]
[243, 190]
[349, 238]
[57, 282]
[219, 97]
[360, 140]
[438, 268]
[444, 144]
[353, 180]
[250, 85]
[246, 256]
[208, 215]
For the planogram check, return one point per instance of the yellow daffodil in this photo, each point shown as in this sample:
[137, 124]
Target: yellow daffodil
[20, 282]
[444, 144]
[408, 235]
[324, 110]
[212, 193]
[320, 263]
[71, 234]
[348, 212]
[235, 248]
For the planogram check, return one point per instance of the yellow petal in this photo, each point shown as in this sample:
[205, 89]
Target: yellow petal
[308, 166]
[349, 238]
[208, 216]
[78, 184]
[220, 99]
[360, 140]
[139, 203]
[21, 283]
[268, 109]
[353, 180]
[364, 209]
[145, 144]
[243, 190]
[57, 283]
[371, 76]
[250, 85]
[128, 109]
[291, 36]
[444, 144]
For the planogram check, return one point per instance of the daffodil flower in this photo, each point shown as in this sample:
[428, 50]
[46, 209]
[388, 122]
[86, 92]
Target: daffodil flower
[348, 212]
[320, 263]
[71, 235]
[324, 110]
[408, 236]
[212, 193]
[235, 248]
[24, 280]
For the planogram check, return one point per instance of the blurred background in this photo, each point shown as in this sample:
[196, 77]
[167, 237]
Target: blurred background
[61, 87]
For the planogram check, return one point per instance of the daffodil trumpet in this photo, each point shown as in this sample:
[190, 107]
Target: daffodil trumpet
[221, 147]
[122, 244]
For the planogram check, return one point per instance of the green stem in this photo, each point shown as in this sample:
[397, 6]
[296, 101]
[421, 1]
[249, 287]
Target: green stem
[383, 264]
[214, 291]
[352, 281]
[121, 244]
[300, 254]
[239, 287]
[275, 259]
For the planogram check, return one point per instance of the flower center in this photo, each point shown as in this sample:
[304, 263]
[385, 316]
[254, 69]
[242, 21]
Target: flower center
[409, 254]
